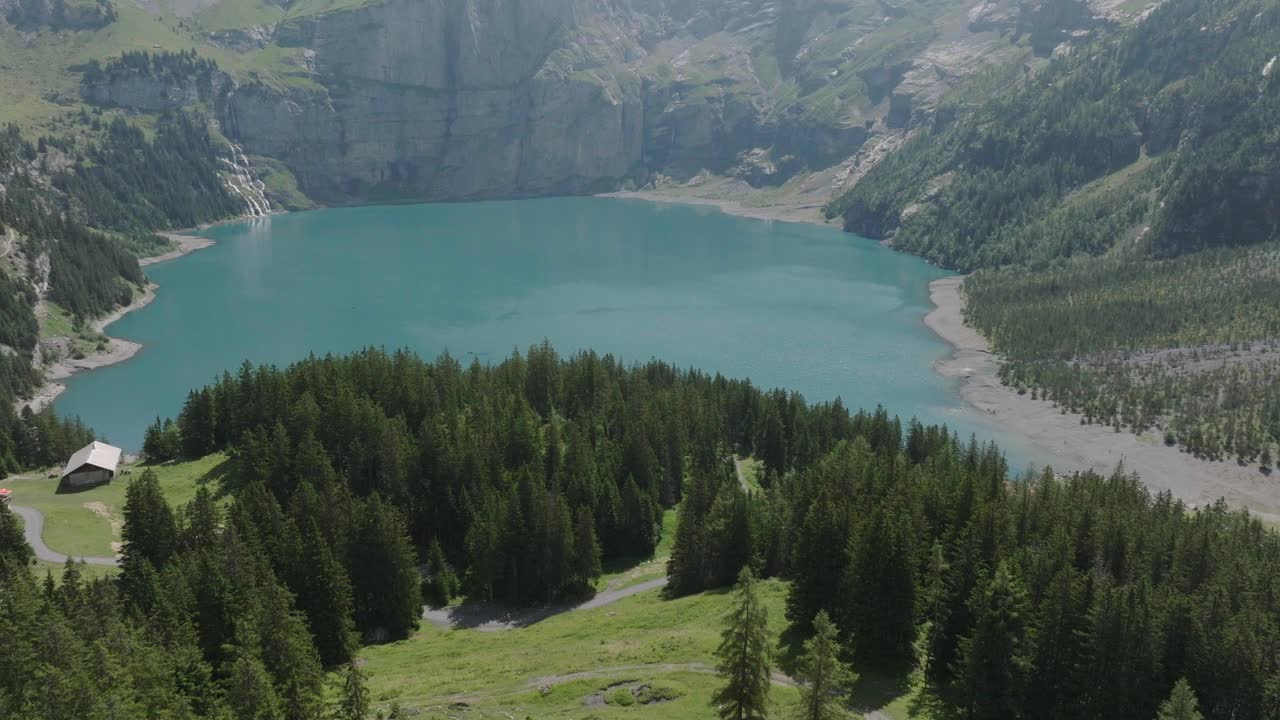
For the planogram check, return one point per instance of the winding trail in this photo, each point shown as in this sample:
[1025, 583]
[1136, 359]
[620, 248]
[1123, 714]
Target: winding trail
[33, 529]
[496, 617]
[777, 678]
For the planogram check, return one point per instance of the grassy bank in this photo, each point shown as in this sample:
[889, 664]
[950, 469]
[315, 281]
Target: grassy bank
[88, 522]
[582, 664]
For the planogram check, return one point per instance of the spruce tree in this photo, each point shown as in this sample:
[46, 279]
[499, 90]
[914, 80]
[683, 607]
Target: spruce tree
[441, 584]
[150, 532]
[13, 545]
[353, 695]
[745, 655]
[826, 679]
[385, 583]
[249, 691]
[995, 657]
[1181, 705]
[586, 550]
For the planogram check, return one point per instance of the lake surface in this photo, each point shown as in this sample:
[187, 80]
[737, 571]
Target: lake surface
[799, 306]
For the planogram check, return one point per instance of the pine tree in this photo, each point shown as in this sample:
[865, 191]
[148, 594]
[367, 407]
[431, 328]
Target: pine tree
[385, 583]
[249, 691]
[150, 532]
[826, 679]
[995, 657]
[441, 584]
[745, 655]
[13, 545]
[586, 550]
[353, 696]
[774, 450]
[1181, 705]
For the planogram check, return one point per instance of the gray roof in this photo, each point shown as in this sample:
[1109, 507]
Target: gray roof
[100, 455]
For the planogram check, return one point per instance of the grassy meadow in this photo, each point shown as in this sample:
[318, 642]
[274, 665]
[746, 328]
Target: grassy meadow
[88, 522]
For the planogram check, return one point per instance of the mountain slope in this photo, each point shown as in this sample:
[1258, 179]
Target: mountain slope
[1111, 204]
[1173, 126]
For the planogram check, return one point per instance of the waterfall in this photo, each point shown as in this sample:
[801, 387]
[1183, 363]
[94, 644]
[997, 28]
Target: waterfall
[243, 181]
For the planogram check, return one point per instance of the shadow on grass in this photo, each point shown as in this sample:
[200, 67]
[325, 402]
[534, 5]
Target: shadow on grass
[496, 616]
[220, 475]
[875, 690]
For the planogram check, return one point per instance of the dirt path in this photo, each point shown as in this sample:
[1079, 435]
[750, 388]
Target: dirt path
[33, 529]
[552, 680]
[496, 617]
[742, 477]
[1059, 439]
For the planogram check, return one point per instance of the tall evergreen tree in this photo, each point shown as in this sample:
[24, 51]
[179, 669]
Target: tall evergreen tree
[13, 545]
[745, 655]
[1181, 704]
[384, 574]
[150, 531]
[826, 679]
[995, 657]
[353, 695]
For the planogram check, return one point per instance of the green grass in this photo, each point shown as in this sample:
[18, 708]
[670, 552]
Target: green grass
[60, 323]
[625, 572]
[752, 469]
[232, 14]
[89, 572]
[89, 521]
[37, 84]
[552, 668]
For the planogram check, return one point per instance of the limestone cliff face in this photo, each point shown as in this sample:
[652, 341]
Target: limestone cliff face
[465, 99]
[443, 100]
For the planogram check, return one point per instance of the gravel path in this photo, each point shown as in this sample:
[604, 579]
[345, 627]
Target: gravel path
[496, 617]
[33, 528]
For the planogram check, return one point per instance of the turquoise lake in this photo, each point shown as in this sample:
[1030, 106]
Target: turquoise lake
[792, 305]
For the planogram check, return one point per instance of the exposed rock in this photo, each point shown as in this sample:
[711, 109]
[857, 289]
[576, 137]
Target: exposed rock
[465, 99]
[243, 39]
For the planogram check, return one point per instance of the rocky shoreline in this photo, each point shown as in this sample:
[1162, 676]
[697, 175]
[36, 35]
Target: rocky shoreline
[1069, 445]
[117, 350]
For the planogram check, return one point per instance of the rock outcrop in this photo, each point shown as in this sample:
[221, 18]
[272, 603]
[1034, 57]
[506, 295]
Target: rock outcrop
[470, 99]
[460, 99]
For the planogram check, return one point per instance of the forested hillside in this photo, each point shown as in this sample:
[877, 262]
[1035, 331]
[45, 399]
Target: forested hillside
[76, 211]
[1070, 193]
[1061, 598]
[1188, 346]
[1171, 125]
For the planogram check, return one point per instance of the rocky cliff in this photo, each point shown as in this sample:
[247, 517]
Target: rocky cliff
[453, 99]
[464, 99]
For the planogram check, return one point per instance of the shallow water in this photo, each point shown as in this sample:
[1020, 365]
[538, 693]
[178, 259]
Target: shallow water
[800, 306]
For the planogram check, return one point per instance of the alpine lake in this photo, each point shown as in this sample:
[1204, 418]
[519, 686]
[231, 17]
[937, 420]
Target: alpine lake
[798, 306]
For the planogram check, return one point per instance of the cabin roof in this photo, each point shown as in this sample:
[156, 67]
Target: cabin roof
[97, 454]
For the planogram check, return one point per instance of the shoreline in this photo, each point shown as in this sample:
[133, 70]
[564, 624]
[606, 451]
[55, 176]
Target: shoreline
[118, 350]
[808, 214]
[1067, 445]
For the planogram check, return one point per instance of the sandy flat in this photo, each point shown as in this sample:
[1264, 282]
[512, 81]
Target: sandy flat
[117, 350]
[1067, 445]
[804, 213]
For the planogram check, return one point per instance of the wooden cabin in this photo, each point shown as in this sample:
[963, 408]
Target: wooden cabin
[92, 464]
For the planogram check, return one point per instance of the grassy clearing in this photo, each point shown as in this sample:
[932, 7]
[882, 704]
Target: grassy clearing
[554, 668]
[89, 522]
[751, 469]
[57, 322]
[625, 572]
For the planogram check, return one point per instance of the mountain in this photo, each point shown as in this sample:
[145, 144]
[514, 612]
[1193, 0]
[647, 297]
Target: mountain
[1163, 138]
[1122, 207]
[443, 100]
